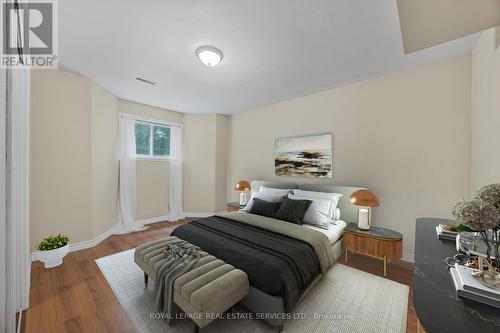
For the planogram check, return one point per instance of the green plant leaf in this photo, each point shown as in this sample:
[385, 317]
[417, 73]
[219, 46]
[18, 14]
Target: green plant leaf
[53, 242]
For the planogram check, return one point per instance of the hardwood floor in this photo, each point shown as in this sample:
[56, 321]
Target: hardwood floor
[75, 297]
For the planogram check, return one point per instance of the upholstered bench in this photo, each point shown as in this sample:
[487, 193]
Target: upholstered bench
[209, 289]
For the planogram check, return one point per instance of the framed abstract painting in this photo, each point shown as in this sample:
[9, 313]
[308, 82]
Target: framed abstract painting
[304, 156]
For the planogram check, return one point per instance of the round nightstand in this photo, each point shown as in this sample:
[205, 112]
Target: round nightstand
[380, 243]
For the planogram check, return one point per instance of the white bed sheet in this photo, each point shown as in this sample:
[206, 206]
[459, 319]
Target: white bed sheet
[334, 232]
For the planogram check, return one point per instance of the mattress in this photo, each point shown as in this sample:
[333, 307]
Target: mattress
[334, 232]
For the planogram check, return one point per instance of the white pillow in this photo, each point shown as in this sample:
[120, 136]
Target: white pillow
[272, 190]
[336, 215]
[339, 223]
[318, 213]
[334, 197]
[264, 196]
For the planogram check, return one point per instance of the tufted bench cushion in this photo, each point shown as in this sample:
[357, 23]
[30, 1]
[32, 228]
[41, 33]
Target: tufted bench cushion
[210, 288]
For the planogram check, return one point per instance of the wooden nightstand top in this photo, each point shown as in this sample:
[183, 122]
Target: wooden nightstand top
[374, 232]
[234, 204]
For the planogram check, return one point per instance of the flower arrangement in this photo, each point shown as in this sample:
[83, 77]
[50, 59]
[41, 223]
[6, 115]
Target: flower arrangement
[53, 242]
[482, 215]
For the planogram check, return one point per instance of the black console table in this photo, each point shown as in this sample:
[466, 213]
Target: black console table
[434, 299]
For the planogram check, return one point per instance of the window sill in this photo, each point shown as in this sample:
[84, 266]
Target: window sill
[159, 159]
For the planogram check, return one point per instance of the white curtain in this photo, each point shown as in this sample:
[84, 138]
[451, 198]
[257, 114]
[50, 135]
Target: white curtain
[175, 183]
[127, 195]
[7, 317]
[15, 248]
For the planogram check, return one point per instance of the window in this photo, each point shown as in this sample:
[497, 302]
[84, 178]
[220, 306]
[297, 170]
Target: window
[152, 140]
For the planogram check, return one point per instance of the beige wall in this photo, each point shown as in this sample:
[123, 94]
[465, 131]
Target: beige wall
[74, 128]
[426, 23]
[149, 111]
[205, 163]
[405, 136]
[485, 111]
[199, 162]
[74, 167]
[152, 188]
[60, 156]
[104, 140]
[221, 137]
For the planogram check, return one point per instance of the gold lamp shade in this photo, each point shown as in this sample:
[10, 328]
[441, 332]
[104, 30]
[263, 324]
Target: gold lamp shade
[364, 198]
[243, 186]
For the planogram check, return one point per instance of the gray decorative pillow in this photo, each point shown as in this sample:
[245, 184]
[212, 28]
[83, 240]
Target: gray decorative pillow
[263, 196]
[293, 210]
[265, 208]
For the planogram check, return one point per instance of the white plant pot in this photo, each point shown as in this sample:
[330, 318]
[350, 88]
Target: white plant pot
[53, 258]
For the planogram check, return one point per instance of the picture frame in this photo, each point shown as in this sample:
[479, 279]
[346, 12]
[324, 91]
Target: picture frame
[304, 156]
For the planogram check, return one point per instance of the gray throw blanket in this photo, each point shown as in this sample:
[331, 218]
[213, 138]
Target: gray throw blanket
[181, 257]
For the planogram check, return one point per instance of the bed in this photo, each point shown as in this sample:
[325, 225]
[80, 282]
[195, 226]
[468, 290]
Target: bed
[283, 260]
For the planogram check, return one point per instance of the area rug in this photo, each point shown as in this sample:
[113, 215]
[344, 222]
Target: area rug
[344, 300]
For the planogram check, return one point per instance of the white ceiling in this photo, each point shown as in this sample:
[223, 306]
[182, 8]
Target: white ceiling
[274, 50]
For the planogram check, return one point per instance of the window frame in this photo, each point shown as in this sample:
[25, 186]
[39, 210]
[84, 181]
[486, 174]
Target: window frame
[151, 123]
[151, 155]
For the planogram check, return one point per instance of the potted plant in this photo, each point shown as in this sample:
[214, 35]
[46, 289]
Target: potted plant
[52, 250]
[480, 217]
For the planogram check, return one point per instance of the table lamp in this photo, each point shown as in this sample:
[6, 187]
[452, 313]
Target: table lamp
[243, 186]
[367, 200]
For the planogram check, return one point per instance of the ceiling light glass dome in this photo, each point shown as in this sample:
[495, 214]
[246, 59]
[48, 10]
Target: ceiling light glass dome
[209, 55]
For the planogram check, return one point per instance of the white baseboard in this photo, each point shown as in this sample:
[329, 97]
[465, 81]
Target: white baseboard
[409, 257]
[153, 220]
[83, 245]
[91, 243]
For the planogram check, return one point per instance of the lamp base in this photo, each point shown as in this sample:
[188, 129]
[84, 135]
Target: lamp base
[364, 219]
[243, 199]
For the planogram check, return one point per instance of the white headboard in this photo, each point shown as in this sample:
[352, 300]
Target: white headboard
[348, 212]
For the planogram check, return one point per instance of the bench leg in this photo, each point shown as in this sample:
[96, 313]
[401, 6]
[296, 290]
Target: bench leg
[146, 278]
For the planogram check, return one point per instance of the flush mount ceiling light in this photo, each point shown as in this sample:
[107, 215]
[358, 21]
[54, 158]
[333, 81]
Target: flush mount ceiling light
[209, 55]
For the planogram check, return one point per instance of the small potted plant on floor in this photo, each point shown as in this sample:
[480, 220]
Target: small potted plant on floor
[52, 250]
